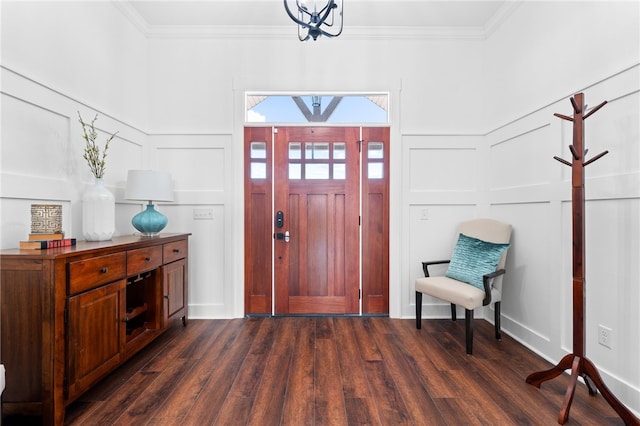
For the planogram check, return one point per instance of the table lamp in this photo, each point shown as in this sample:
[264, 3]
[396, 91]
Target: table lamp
[149, 185]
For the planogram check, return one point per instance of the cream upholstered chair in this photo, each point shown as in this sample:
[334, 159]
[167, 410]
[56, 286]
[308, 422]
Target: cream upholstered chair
[474, 276]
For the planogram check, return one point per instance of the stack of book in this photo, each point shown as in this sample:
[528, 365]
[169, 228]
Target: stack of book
[39, 241]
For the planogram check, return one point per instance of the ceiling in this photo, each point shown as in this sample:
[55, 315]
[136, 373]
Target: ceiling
[468, 17]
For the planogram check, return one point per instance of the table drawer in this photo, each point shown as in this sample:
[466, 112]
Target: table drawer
[144, 259]
[174, 251]
[91, 273]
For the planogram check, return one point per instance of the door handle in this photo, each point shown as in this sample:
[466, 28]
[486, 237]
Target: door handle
[280, 236]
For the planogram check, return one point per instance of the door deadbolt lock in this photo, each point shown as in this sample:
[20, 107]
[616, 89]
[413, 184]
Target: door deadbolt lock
[283, 236]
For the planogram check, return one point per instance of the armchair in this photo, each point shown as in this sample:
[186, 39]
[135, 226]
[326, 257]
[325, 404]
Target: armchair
[474, 276]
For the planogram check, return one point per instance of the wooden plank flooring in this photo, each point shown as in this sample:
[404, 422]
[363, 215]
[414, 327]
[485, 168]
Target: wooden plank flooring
[331, 371]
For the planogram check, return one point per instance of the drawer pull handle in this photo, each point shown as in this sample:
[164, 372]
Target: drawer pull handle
[166, 296]
[147, 259]
[104, 270]
[176, 250]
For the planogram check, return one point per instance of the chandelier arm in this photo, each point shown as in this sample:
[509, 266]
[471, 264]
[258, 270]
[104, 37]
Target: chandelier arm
[326, 34]
[305, 38]
[327, 10]
[303, 9]
[294, 18]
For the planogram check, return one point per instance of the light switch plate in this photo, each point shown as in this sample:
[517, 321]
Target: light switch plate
[203, 214]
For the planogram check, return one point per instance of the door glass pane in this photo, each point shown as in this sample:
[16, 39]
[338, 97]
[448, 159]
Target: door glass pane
[258, 150]
[295, 150]
[339, 171]
[375, 150]
[321, 151]
[375, 171]
[339, 151]
[295, 171]
[316, 151]
[317, 171]
[258, 170]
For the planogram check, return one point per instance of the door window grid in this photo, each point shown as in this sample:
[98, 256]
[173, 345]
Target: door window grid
[375, 160]
[258, 164]
[322, 161]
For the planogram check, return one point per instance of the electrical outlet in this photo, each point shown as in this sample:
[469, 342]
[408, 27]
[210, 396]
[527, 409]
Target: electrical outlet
[605, 336]
[203, 214]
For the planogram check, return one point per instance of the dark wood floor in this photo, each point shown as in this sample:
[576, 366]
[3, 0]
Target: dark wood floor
[332, 371]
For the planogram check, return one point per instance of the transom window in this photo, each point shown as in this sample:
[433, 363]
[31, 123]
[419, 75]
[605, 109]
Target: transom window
[361, 108]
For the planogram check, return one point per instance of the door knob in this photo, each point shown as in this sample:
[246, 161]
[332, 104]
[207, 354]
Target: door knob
[287, 237]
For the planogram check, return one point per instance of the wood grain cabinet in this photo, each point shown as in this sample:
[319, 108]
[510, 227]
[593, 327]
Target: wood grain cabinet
[71, 315]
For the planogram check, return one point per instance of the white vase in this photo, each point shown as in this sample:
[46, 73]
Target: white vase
[98, 212]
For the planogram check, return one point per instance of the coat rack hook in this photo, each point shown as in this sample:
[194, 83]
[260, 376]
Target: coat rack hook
[576, 108]
[597, 157]
[594, 110]
[574, 152]
[562, 160]
[564, 117]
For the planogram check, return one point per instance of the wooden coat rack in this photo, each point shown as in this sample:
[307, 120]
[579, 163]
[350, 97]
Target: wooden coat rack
[580, 366]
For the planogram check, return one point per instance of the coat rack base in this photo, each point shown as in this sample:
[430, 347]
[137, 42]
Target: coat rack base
[581, 367]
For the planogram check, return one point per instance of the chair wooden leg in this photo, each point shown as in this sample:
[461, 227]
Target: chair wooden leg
[468, 322]
[496, 320]
[418, 310]
[453, 312]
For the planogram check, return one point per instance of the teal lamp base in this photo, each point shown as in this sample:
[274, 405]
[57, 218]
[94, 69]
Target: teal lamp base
[150, 221]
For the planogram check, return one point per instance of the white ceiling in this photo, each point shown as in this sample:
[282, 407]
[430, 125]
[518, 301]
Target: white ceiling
[451, 15]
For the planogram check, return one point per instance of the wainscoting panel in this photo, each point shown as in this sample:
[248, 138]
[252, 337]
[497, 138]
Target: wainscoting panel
[35, 140]
[200, 169]
[441, 184]
[522, 160]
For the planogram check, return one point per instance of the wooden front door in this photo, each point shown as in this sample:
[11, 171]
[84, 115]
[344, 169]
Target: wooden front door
[304, 187]
[317, 248]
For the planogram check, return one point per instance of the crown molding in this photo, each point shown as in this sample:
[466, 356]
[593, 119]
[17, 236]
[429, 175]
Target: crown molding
[285, 32]
[132, 15]
[505, 11]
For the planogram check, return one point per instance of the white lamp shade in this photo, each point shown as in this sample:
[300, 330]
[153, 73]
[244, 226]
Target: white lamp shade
[149, 185]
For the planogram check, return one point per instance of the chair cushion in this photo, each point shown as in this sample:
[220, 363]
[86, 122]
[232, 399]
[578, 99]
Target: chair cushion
[472, 258]
[452, 291]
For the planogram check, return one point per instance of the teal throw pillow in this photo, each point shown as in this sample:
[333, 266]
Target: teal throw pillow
[472, 258]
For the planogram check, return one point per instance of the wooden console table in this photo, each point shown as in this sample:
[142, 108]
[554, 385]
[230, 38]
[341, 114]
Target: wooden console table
[71, 315]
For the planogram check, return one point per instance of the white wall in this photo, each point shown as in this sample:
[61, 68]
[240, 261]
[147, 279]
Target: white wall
[473, 134]
[578, 51]
[84, 50]
[197, 89]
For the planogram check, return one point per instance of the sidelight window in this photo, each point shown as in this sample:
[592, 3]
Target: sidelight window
[375, 160]
[258, 164]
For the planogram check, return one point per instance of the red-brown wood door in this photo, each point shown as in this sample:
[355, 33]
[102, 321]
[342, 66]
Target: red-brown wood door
[309, 256]
[258, 233]
[317, 248]
[375, 220]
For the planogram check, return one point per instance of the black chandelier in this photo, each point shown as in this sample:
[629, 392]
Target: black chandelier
[315, 20]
